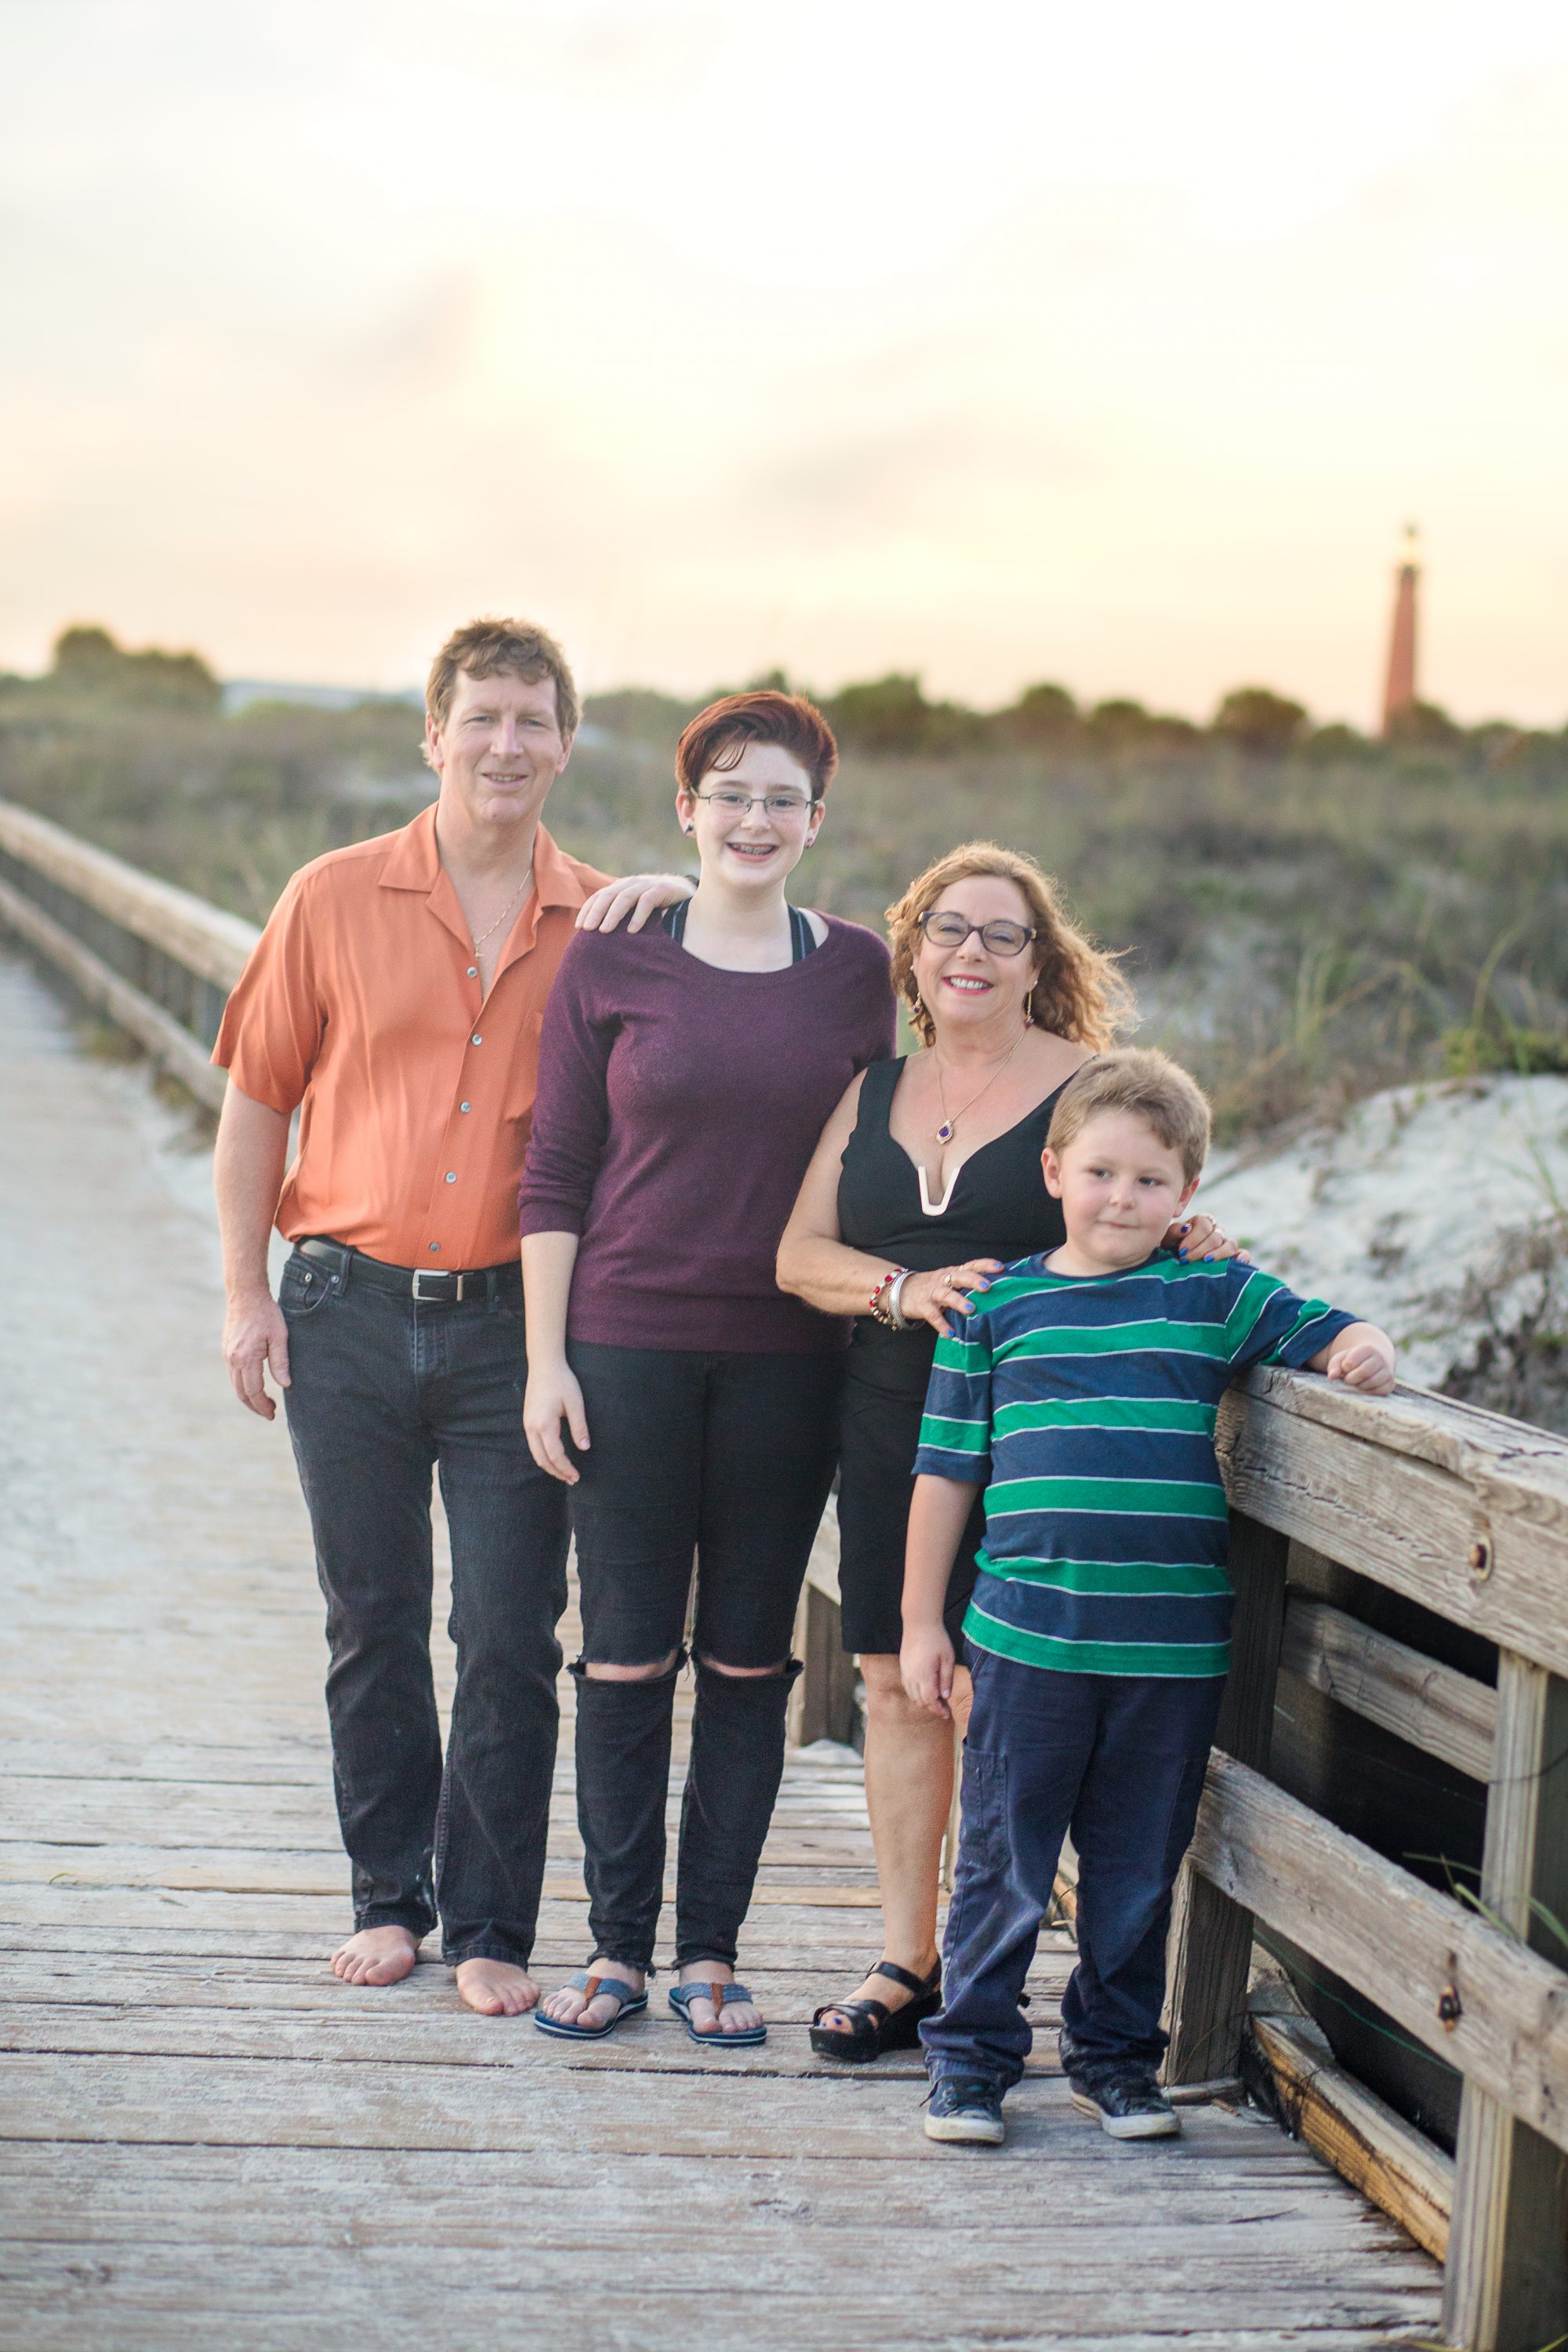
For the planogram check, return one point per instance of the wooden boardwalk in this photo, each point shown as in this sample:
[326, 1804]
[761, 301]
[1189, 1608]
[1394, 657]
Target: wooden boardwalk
[204, 2137]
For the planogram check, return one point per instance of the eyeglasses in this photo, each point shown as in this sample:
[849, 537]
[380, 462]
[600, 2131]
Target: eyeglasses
[729, 803]
[944, 928]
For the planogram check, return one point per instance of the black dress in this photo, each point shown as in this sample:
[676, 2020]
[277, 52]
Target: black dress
[997, 1206]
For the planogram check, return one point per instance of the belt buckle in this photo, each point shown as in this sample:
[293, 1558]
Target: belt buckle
[435, 1273]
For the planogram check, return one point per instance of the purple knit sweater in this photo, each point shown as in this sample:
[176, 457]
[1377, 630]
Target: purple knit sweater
[678, 1108]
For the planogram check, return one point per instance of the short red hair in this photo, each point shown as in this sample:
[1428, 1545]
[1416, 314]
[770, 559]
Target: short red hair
[716, 738]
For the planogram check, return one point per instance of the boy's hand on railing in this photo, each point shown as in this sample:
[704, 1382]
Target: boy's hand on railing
[255, 1338]
[1361, 1357]
[926, 1662]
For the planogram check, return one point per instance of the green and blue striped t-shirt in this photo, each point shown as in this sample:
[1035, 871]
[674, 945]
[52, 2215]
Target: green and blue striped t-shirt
[1086, 1405]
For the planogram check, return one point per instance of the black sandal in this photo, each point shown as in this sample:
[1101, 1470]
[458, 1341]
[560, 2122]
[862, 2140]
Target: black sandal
[875, 2026]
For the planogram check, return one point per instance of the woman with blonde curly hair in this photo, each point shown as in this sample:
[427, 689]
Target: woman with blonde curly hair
[925, 1184]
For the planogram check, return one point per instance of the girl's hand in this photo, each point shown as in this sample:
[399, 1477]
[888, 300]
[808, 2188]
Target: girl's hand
[1199, 1237]
[932, 1298]
[926, 1662]
[1364, 1362]
[551, 1397]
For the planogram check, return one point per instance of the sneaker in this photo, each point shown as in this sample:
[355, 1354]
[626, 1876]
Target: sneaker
[1129, 2103]
[966, 2107]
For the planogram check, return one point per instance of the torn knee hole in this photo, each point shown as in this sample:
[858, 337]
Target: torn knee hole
[786, 1667]
[597, 1670]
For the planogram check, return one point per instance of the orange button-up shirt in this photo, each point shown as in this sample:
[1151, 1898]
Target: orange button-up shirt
[362, 1006]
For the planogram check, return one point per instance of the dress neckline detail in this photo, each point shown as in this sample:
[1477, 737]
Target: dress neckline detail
[929, 1207]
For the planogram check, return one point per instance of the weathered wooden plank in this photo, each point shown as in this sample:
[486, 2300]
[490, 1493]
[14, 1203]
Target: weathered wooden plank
[795, 2296]
[1387, 1487]
[1507, 2283]
[1438, 1710]
[1356, 2132]
[1211, 1941]
[247, 2102]
[262, 1871]
[311, 2196]
[655, 2043]
[1415, 1952]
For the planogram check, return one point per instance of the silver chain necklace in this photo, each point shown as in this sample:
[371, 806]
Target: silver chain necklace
[946, 1131]
[520, 892]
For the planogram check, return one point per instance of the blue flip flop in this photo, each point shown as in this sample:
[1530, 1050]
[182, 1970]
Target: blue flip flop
[721, 1995]
[584, 1982]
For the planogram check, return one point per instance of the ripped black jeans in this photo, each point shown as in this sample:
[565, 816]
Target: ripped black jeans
[728, 1457]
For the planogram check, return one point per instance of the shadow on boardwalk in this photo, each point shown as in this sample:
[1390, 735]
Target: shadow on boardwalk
[202, 2134]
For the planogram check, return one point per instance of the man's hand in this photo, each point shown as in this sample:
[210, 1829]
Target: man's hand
[553, 1396]
[1362, 1357]
[637, 897]
[926, 1662]
[255, 1338]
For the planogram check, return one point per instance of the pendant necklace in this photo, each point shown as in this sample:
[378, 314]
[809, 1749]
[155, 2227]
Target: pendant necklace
[946, 1131]
[520, 892]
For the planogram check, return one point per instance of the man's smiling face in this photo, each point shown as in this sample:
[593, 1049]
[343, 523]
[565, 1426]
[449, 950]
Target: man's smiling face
[500, 747]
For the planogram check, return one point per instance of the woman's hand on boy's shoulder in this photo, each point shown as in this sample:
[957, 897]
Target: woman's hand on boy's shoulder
[1361, 1357]
[1199, 1236]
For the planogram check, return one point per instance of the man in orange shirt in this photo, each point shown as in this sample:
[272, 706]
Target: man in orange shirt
[395, 1000]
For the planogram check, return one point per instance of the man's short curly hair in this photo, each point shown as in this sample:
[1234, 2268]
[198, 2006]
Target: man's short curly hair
[493, 649]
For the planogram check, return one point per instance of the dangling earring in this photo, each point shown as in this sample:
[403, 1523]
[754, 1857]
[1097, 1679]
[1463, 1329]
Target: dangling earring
[916, 1007]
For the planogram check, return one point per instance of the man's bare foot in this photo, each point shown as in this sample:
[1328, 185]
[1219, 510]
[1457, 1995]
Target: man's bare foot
[376, 1955]
[496, 1987]
[735, 2017]
[567, 2006]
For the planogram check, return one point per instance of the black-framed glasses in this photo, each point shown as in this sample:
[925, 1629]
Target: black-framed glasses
[944, 928]
[730, 803]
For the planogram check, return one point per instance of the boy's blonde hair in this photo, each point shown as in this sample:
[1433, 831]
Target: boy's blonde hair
[1147, 1084]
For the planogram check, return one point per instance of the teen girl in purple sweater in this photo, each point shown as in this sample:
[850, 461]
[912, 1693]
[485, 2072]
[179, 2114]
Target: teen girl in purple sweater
[685, 1073]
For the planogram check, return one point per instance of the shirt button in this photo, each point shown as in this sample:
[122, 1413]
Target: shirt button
[476, 1039]
[465, 1106]
[434, 1247]
[473, 971]
[451, 1176]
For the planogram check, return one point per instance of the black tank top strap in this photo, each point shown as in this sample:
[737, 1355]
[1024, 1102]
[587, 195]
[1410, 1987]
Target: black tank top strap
[801, 938]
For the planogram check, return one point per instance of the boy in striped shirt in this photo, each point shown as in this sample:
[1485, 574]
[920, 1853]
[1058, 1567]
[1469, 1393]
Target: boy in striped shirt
[1082, 1393]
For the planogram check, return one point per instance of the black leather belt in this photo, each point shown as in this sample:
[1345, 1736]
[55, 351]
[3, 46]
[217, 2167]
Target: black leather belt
[423, 1284]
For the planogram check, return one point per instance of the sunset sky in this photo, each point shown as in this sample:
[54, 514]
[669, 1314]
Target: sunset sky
[1000, 343]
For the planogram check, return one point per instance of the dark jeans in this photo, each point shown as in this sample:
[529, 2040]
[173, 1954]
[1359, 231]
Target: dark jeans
[1118, 1759]
[729, 1456]
[384, 1390]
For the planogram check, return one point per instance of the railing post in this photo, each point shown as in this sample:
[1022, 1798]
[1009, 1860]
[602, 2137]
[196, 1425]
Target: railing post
[1211, 1937]
[825, 1694]
[1506, 2287]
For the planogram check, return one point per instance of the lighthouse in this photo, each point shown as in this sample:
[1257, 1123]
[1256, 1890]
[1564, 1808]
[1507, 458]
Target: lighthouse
[1399, 688]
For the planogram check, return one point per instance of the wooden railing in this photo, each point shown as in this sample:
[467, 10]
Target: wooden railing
[157, 960]
[1464, 1514]
[1460, 1512]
